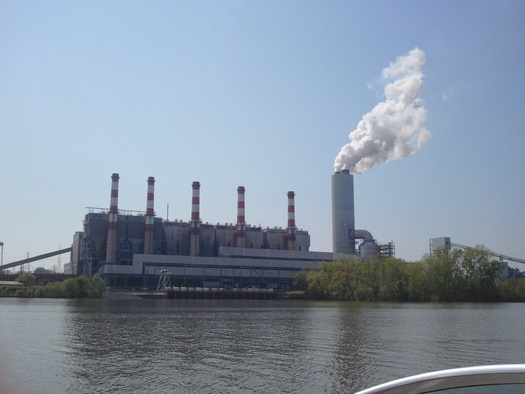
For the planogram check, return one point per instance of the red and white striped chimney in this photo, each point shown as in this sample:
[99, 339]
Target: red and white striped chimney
[111, 247]
[195, 219]
[290, 231]
[241, 221]
[150, 216]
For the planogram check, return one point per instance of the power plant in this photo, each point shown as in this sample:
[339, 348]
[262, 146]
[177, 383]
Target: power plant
[132, 248]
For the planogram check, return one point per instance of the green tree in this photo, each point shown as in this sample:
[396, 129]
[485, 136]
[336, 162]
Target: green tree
[83, 285]
[317, 282]
[300, 280]
[70, 287]
[97, 286]
[513, 290]
[367, 282]
[392, 280]
[482, 275]
[416, 282]
[27, 279]
[337, 280]
[54, 290]
[444, 274]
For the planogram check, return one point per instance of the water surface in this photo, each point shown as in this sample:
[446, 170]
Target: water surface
[241, 346]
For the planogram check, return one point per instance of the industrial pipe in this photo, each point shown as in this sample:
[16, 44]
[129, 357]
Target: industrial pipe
[361, 234]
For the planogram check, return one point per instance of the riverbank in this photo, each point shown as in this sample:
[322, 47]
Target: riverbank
[250, 294]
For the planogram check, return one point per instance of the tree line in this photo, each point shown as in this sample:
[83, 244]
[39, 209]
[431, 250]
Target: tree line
[448, 275]
[79, 287]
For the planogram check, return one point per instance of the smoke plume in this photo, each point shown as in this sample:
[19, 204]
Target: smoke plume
[395, 127]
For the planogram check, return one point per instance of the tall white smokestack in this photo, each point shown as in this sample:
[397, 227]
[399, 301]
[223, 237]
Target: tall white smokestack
[343, 221]
[395, 127]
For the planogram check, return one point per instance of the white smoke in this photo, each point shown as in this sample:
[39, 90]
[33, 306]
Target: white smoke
[395, 127]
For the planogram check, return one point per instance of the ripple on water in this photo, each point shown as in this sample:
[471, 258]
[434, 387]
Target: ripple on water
[147, 346]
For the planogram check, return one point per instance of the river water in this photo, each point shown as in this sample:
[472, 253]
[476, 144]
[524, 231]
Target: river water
[234, 346]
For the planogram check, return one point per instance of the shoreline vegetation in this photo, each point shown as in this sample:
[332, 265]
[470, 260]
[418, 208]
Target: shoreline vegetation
[79, 287]
[449, 275]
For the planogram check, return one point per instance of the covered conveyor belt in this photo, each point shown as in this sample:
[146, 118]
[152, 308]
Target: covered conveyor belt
[499, 256]
[35, 258]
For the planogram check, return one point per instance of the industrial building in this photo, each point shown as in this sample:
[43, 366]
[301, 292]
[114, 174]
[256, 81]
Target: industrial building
[132, 248]
[345, 237]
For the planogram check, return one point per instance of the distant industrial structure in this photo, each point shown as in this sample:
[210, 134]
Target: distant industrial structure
[344, 233]
[438, 243]
[132, 248]
[136, 248]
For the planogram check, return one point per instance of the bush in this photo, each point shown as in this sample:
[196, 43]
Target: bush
[27, 279]
[98, 287]
[70, 288]
[83, 284]
[54, 290]
[447, 275]
[79, 287]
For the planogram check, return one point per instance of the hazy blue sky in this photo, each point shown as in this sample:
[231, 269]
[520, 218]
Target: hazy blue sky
[261, 94]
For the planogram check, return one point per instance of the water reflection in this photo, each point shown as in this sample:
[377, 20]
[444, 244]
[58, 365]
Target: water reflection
[201, 345]
[159, 346]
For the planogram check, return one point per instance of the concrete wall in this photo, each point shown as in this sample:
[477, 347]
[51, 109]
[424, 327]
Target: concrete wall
[302, 241]
[177, 236]
[207, 239]
[275, 238]
[172, 239]
[254, 238]
[96, 232]
[225, 235]
[164, 261]
[129, 228]
[71, 268]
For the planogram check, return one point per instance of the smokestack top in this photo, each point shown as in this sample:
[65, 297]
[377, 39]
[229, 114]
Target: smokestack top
[196, 185]
[115, 176]
[151, 180]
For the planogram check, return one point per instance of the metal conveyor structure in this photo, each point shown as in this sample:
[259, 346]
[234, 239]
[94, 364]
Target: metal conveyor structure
[35, 258]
